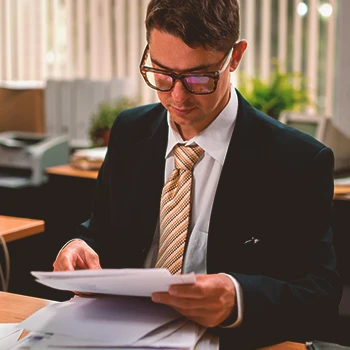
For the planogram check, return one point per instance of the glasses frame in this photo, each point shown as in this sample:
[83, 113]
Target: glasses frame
[214, 75]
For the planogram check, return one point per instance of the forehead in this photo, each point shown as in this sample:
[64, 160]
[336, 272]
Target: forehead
[171, 52]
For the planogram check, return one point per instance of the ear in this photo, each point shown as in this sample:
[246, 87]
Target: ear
[237, 54]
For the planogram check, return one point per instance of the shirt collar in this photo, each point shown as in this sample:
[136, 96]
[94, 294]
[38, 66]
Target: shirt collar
[216, 137]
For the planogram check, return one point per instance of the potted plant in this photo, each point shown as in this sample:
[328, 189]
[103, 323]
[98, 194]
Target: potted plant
[278, 94]
[102, 121]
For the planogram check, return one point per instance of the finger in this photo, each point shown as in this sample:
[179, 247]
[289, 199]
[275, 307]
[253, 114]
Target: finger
[203, 317]
[195, 291]
[187, 303]
[84, 294]
[92, 261]
[77, 255]
[62, 263]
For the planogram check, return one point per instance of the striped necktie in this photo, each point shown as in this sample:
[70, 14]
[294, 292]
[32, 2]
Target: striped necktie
[175, 208]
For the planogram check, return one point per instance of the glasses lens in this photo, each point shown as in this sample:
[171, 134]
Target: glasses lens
[160, 81]
[200, 84]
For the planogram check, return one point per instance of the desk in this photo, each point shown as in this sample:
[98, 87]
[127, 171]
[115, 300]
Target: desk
[15, 308]
[342, 192]
[13, 228]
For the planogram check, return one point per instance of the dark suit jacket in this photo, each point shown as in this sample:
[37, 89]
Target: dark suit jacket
[276, 185]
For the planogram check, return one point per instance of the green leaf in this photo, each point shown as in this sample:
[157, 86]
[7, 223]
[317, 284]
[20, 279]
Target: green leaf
[105, 116]
[283, 91]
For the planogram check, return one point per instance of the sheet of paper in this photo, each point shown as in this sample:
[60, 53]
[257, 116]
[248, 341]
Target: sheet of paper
[208, 341]
[185, 337]
[8, 328]
[149, 339]
[133, 282]
[117, 320]
[39, 341]
[162, 332]
[345, 181]
[9, 341]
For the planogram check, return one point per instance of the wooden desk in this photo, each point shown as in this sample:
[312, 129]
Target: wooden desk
[342, 192]
[14, 308]
[68, 170]
[13, 228]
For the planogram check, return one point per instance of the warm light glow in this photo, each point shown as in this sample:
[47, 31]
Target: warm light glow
[302, 9]
[325, 10]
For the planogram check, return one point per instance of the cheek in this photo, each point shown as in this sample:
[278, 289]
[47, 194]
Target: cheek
[163, 97]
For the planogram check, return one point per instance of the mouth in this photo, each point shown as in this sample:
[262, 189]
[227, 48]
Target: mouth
[182, 110]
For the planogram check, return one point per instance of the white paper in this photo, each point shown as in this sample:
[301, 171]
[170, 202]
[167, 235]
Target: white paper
[132, 282]
[162, 332]
[39, 341]
[116, 320]
[345, 181]
[8, 328]
[10, 340]
[185, 337]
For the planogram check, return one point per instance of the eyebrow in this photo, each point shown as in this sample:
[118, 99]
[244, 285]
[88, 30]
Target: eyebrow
[200, 67]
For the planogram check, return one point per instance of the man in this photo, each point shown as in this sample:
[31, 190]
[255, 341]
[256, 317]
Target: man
[254, 213]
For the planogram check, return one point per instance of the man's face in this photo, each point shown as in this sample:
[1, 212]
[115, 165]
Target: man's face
[191, 113]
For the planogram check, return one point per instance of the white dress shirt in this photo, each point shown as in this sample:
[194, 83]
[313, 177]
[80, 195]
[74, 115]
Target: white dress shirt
[214, 140]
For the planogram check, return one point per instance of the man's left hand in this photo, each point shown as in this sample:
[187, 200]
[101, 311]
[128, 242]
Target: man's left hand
[208, 302]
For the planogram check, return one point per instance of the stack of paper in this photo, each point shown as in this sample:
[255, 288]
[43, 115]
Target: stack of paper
[109, 322]
[134, 282]
[9, 334]
[88, 159]
[128, 320]
[345, 181]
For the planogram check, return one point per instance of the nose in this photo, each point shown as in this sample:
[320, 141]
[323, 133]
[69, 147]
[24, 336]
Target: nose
[179, 93]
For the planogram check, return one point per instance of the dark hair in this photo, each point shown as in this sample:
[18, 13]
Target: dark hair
[213, 24]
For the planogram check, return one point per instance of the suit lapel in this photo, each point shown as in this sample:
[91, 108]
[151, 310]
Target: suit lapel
[145, 196]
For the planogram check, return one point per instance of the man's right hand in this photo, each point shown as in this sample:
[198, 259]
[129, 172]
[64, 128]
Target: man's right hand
[76, 255]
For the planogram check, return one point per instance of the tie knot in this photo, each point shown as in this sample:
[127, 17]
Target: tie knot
[185, 157]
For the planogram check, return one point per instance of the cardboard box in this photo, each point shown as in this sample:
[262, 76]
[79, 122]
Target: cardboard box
[22, 110]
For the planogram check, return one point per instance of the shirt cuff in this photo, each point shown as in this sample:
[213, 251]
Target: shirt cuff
[239, 296]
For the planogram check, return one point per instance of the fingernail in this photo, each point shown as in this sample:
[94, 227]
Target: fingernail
[172, 290]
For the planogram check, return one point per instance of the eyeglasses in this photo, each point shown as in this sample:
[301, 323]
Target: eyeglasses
[199, 84]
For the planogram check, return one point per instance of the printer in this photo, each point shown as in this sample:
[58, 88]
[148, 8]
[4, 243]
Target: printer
[24, 156]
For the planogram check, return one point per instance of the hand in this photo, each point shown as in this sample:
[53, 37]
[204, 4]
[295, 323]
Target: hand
[76, 255]
[208, 302]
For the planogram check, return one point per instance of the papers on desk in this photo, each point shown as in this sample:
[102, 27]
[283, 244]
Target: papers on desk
[126, 318]
[133, 282]
[88, 159]
[109, 322]
[9, 334]
[345, 181]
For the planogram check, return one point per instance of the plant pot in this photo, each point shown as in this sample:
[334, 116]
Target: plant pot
[105, 136]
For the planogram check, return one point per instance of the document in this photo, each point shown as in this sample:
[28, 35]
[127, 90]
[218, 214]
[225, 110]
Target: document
[109, 320]
[132, 282]
[8, 328]
[345, 181]
[10, 339]
[121, 315]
